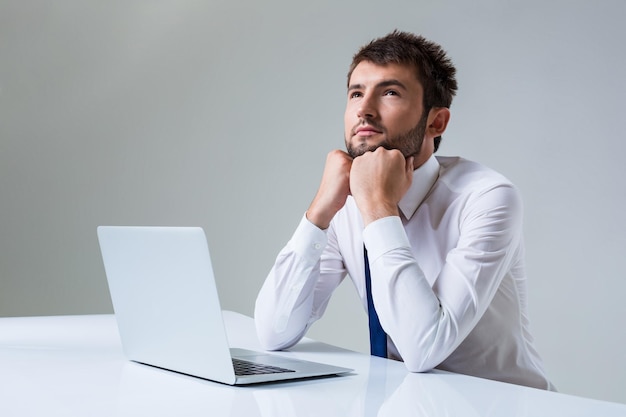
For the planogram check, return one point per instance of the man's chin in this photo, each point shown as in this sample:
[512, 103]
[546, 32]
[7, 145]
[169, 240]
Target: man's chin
[363, 147]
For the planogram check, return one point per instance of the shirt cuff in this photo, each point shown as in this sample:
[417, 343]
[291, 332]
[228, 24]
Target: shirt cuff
[384, 235]
[308, 240]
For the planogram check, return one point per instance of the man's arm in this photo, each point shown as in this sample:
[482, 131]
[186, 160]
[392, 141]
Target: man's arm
[295, 293]
[428, 323]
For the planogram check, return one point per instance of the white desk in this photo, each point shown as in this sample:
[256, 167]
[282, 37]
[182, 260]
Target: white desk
[73, 366]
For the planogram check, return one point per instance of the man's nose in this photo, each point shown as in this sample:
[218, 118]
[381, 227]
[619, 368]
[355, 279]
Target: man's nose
[367, 108]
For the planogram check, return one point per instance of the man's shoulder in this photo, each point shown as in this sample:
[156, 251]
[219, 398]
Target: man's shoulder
[463, 176]
[460, 163]
[457, 171]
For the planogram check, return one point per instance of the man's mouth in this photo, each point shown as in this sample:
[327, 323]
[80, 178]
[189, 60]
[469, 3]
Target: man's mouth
[366, 130]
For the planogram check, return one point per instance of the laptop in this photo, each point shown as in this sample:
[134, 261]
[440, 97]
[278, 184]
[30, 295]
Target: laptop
[168, 312]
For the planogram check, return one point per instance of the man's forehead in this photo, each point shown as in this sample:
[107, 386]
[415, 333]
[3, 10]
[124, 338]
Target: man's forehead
[371, 72]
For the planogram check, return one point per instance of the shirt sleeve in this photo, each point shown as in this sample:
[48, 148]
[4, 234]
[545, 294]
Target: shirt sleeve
[427, 323]
[296, 291]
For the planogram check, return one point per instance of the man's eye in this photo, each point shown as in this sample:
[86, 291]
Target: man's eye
[355, 94]
[391, 93]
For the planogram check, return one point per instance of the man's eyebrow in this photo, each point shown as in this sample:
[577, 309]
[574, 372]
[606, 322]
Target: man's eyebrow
[355, 87]
[384, 83]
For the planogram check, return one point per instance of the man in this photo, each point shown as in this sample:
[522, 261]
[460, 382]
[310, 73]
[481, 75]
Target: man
[433, 243]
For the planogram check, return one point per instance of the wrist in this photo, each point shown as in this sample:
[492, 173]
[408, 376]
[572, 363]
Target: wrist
[371, 214]
[321, 219]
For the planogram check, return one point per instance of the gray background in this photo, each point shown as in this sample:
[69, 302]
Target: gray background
[220, 114]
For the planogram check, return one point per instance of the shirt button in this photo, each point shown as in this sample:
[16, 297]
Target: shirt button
[317, 246]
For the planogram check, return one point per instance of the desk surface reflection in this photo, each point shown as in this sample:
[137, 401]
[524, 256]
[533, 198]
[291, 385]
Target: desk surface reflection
[74, 366]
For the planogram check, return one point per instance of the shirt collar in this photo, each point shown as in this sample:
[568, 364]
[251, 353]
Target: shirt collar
[424, 178]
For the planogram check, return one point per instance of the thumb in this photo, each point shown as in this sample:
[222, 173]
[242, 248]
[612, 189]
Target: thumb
[409, 165]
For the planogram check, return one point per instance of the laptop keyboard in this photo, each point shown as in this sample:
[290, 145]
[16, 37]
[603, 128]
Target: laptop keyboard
[251, 368]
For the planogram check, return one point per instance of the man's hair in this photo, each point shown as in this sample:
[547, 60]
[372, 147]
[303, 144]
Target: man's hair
[434, 70]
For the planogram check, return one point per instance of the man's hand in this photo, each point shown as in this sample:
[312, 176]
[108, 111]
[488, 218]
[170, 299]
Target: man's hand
[333, 191]
[378, 180]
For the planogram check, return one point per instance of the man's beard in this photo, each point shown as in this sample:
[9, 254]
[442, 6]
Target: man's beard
[409, 143]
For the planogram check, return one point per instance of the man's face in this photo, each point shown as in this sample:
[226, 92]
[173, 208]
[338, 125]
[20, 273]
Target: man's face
[384, 109]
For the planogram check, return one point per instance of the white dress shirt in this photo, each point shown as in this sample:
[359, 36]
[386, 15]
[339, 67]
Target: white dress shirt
[448, 278]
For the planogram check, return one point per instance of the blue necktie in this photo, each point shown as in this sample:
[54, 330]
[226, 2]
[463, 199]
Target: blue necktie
[378, 337]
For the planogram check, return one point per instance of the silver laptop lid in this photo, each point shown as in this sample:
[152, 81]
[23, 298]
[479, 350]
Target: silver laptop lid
[165, 299]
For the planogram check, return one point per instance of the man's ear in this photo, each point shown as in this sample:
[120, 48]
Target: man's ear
[438, 119]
